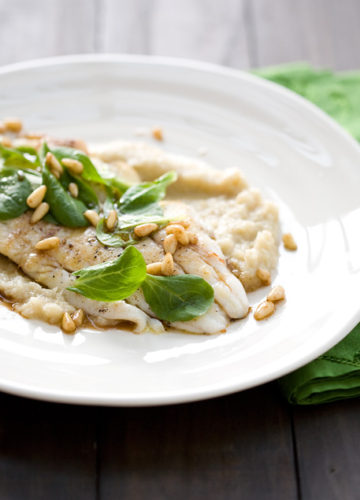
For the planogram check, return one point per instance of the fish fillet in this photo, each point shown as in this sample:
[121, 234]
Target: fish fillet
[79, 248]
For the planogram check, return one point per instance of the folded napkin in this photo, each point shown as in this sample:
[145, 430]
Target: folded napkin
[336, 374]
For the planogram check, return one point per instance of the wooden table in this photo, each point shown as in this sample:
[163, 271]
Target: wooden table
[250, 445]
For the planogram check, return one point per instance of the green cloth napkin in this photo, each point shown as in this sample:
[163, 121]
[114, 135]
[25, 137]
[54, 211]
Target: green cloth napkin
[336, 374]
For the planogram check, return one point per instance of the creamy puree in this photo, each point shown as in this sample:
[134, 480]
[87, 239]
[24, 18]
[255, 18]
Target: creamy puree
[244, 224]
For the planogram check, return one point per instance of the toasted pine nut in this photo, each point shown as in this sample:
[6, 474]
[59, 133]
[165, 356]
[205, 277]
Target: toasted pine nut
[92, 217]
[184, 223]
[263, 310]
[56, 173]
[167, 265]
[263, 276]
[277, 293]
[193, 239]
[179, 232]
[74, 165]
[154, 268]
[111, 220]
[36, 197]
[157, 134]
[52, 162]
[48, 243]
[32, 136]
[67, 323]
[73, 189]
[170, 243]
[5, 141]
[183, 238]
[13, 125]
[39, 212]
[2, 128]
[289, 242]
[78, 317]
[145, 229]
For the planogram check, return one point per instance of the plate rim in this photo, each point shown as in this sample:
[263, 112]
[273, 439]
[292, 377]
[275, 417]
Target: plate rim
[205, 392]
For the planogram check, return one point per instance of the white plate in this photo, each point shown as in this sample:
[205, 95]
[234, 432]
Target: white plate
[284, 145]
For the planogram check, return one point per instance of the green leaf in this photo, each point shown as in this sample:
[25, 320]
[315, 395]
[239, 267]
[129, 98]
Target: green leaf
[19, 157]
[112, 281]
[90, 172]
[177, 298]
[129, 221]
[34, 177]
[138, 197]
[14, 189]
[68, 211]
[114, 239]
[86, 193]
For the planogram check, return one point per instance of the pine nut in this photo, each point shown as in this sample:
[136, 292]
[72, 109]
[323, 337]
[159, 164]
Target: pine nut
[179, 232]
[263, 276]
[33, 136]
[157, 134]
[111, 220]
[78, 317]
[52, 162]
[92, 217]
[73, 189]
[145, 229]
[55, 173]
[170, 243]
[289, 242]
[193, 239]
[67, 323]
[2, 128]
[277, 293]
[5, 141]
[48, 243]
[39, 212]
[167, 265]
[183, 238]
[184, 223]
[154, 268]
[36, 197]
[13, 125]
[264, 310]
[74, 165]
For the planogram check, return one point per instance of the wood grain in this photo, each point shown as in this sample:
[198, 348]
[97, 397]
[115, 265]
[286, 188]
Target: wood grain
[236, 447]
[37, 28]
[208, 29]
[47, 451]
[327, 441]
[322, 32]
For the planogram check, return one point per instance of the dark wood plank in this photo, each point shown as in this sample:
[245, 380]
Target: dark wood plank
[47, 451]
[37, 28]
[208, 29]
[323, 32]
[236, 447]
[327, 440]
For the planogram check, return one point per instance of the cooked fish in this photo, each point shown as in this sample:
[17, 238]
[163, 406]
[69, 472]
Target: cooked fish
[53, 269]
[79, 248]
[205, 259]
